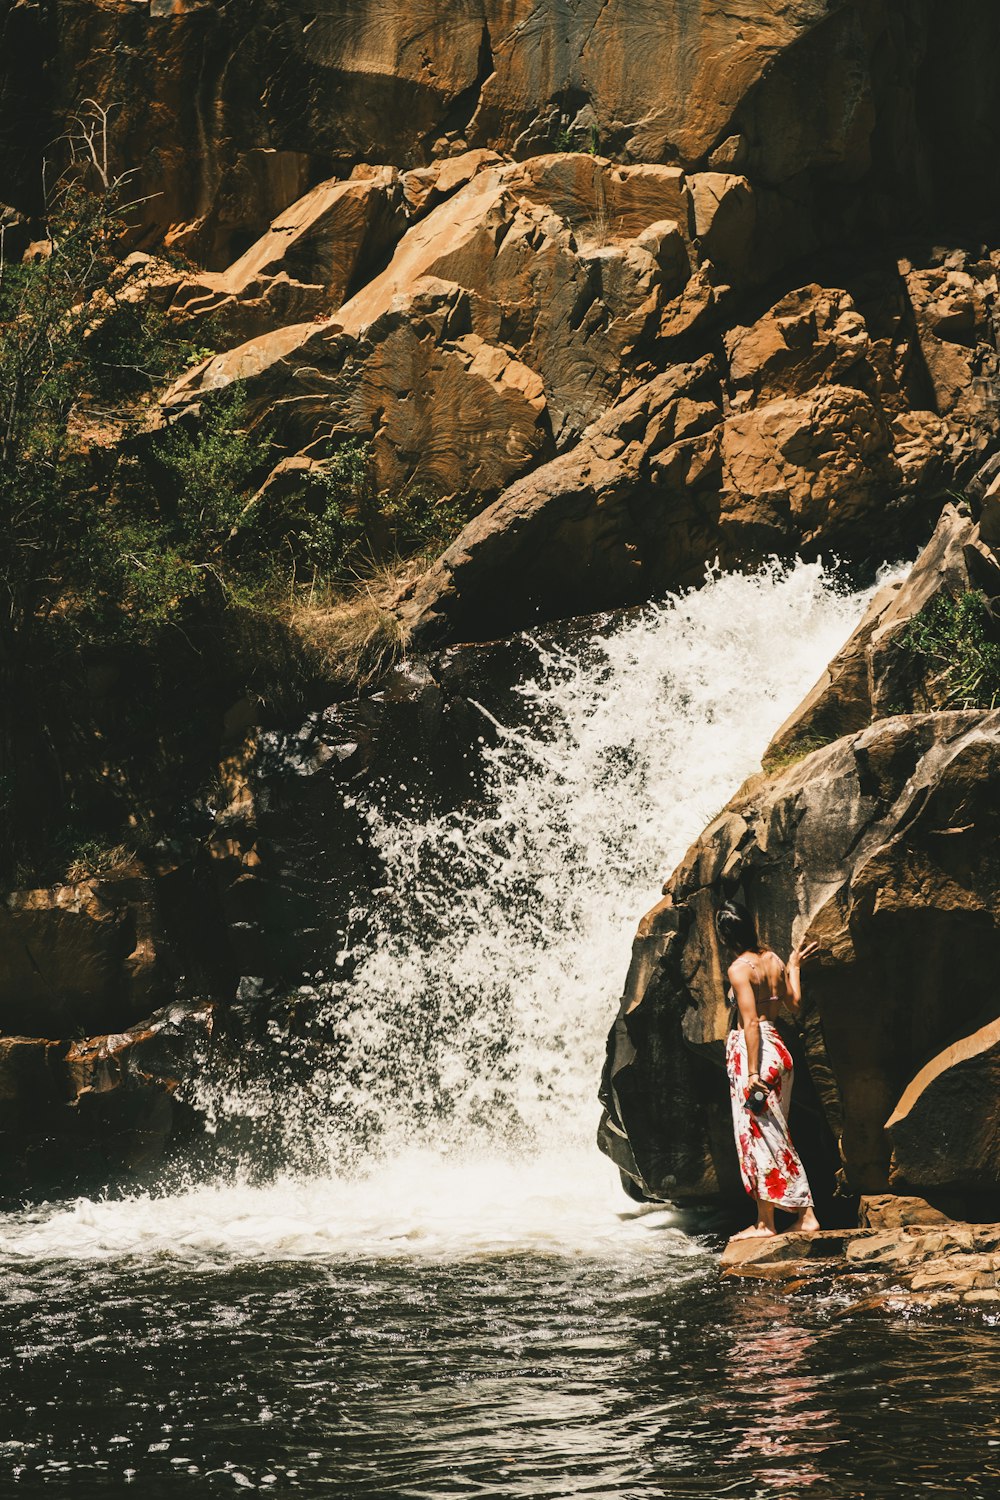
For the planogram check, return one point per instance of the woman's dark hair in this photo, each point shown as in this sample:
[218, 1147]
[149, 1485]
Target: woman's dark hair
[736, 927]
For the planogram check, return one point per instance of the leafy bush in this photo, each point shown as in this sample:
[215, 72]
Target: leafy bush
[338, 528]
[957, 639]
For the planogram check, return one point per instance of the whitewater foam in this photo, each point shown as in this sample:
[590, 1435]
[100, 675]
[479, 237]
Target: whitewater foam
[417, 1206]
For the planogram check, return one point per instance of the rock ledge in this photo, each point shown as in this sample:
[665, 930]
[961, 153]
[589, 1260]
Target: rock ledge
[913, 1266]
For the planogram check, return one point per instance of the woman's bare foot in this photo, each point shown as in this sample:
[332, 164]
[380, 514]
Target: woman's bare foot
[756, 1232]
[805, 1223]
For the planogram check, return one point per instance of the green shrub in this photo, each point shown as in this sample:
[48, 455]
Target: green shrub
[119, 544]
[212, 468]
[781, 760]
[337, 527]
[956, 639]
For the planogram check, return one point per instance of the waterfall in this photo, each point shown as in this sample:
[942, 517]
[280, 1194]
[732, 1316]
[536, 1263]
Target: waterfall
[457, 1102]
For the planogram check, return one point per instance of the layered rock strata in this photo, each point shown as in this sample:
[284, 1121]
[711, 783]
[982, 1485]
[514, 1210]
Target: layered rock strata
[831, 108]
[525, 348]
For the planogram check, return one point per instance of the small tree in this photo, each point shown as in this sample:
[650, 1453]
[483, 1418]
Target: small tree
[46, 309]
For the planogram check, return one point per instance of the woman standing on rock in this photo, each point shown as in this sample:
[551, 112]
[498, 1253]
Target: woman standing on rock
[760, 1073]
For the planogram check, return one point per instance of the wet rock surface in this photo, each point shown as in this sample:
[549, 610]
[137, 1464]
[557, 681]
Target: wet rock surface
[82, 955]
[97, 1111]
[955, 1266]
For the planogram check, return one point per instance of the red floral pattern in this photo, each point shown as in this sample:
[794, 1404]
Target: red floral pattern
[769, 1164]
[776, 1185]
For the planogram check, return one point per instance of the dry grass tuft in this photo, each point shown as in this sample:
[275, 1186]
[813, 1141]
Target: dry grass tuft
[94, 861]
[353, 637]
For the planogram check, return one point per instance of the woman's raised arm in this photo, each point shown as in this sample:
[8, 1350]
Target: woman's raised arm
[800, 954]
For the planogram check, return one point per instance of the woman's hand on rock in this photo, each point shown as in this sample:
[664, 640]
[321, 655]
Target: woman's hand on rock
[801, 954]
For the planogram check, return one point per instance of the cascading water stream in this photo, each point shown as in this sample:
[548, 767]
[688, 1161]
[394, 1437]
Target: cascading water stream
[459, 1110]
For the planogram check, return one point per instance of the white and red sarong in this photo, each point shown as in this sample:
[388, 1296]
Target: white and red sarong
[769, 1163]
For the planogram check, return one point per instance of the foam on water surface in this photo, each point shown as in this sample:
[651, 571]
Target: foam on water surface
[417, 1207]
[459, 1115]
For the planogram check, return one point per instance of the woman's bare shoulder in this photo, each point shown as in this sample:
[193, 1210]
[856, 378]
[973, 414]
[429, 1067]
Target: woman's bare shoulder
[738, 972]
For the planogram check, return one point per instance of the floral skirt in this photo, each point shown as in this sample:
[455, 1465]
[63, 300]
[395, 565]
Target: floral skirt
[769, 1164]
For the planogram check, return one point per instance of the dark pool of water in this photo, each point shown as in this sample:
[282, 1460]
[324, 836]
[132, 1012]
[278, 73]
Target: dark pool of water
[502, 1376]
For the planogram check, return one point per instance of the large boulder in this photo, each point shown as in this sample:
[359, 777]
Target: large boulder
[611, 521]
[954, 307]
[82, 958]
[803, 440]
[874, 834]
[310, 259]
[881, 847]
[874, 675]
[508, 318]
[945, 1130]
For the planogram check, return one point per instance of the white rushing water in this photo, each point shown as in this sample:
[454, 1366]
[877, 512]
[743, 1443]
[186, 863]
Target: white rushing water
[460, 1112]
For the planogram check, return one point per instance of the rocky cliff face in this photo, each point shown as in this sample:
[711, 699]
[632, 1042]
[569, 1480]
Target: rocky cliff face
[650, 284]
[232, 110]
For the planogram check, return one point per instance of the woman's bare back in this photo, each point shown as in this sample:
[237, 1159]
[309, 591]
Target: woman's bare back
[766, 975]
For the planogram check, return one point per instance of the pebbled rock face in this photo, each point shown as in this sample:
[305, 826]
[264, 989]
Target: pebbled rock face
[506, 320]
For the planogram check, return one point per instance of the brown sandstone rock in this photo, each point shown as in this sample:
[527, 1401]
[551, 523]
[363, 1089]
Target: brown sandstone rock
[873, 676]
[828, 1244]
[823, 462]
[911, 1269]
[811, 337]
[80, 957]
[615, 511]
[94, 1111]
[31, 1080]
[305, 265]
[325, 384]
[944, 1131]
[563, 262]
[892, 1211]
[802, 459]
[840, 701]
[425, 187]
[240, 109]
[954, 308]
[813, 100]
